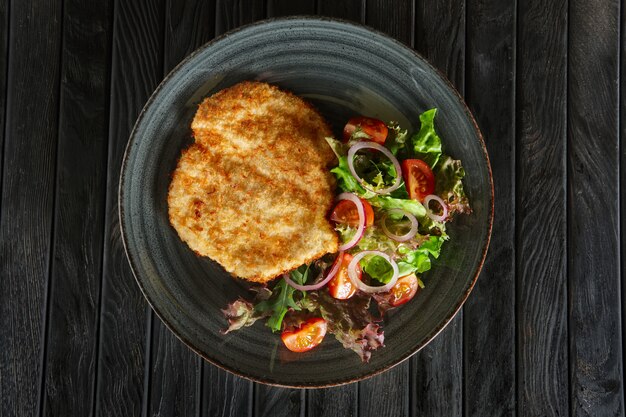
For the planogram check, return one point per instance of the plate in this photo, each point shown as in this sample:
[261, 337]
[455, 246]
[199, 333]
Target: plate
[344, 69]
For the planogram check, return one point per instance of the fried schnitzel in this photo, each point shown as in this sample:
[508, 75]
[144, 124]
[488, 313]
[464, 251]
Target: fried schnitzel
[252, 192]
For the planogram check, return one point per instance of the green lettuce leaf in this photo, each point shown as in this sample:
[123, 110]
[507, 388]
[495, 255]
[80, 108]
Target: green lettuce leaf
[449, 185]
[386, 203]
[377, 268]
[379, 173]
[396, 139]
[281, 299]
[301, 274]
[347, 182]
[418, 260]
[426, 144]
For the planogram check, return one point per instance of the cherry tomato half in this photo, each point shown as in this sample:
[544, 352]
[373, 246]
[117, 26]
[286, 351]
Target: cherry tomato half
[340, 287]
[306, 337]
[345, 212]
[418, 178]
[404, 290]
[374, 128]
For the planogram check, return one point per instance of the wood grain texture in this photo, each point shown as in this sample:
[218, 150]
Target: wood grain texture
[4, 52]
[79, 216]
[595, 335]
[436, 377]
[541, 290]
[386, 394]
[622, 180]
[175, 370]
[276, 8]
[342, 9]
[440, 37]
[437, 370]
[137, 68]
[224, 394]
[188, 25]
[278, 402]
[233, 13]
[489, 313]
[395, 20]
[175, 374]
[27, 200]
[333, 402]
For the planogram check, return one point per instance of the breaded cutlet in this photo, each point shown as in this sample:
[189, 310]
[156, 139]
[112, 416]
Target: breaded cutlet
[253, 191]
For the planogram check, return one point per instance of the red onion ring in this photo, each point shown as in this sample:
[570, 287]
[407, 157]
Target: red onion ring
[429, 212]
[400, 238]
[333, 271]
[354, 263]
[361, 210]
[373, 145]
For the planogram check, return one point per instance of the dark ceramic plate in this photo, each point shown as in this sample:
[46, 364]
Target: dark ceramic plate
[344, 69]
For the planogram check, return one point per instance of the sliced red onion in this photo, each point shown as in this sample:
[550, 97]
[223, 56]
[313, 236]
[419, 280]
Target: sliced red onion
[352, 274]
[430, 213]
[373, 145]
[361, 210]
[333, 271]
[400, 238]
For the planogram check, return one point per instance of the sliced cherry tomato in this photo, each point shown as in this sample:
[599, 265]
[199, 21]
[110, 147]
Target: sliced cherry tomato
[340, 287]
[374, 128]
[306, 337]
[404, 290]
[418, 178]
[345, 212]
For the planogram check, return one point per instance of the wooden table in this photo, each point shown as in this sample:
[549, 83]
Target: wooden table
[541, 334]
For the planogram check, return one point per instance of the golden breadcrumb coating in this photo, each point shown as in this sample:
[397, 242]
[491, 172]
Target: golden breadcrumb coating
[253, 191]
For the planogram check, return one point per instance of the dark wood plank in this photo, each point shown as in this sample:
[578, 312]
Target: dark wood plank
[188, 25]
[137, 68]
[440, 37]
[4, 56]
[437, 374]
[278, 402]
[622, 192]
[276, 8]
[342, 9]
[340, 401]
[489, 313]
[595, 337]
[79, 217]
[27, 201]
[437, 370]
[386, 394]
[398, 22]
[223, 394]
[175, 370]
[233, 13]
[175, 375]
[541, 277]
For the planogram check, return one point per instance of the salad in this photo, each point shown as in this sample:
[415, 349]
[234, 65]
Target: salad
[398, 191]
